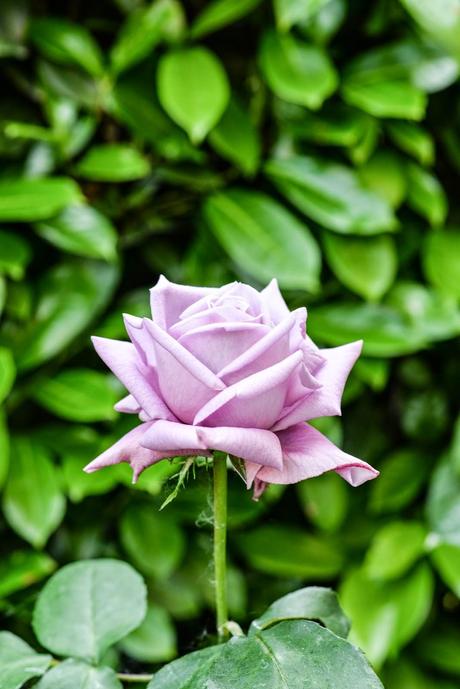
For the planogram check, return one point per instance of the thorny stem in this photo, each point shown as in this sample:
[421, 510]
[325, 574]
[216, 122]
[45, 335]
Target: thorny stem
[220, 542]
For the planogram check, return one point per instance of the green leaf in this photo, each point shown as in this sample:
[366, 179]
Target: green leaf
[439, 648]
[366, 265]
[4, 448]
[402, 475]
[264, 239]
[324, 500]
[27, 200]
[155, 640]
[426, 195]
[33, 503]
[290, 655]
[394, 549]
[193, 89]
[439, 20]
[88, 606]
[15, 254]
[331, 194]
[236, 139]
[81, 230]
[67, 43]
[7, 372]
[291, 12]
[289, 552]
[113, 163]
[19, 662]
[23, 568]
[339, 125]
[414, 140]
[70, 296]
[79, 394]
[143, 30]
[443, 504]
[446, 560]
[219, 13]
[154, 541]
[385, 174]
[386, 615]
[296, 71]
[73, 674]
[312, 603]
[441, 260]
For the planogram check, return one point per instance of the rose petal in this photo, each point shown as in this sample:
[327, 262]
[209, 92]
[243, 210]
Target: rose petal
[255, 401]
[252, 444]
[185, 383]
[218, 344]
[274, 302]
[269, 350]
[168, 300]
[123, 360]
[226, 313]
[307, 453]
[128, 405]
[332, 376]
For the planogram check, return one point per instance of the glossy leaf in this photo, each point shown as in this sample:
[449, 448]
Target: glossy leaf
[426, 195]
[23, 568]
[28, 200]
[441, 260]
[15, 254]
[4, 448]
[67, 43]
[88, 606]
[7, 372]
[440, 20]
[193, 89]
[219, 13]
[291, 12]
[443, 504]
[235, 138]
[19, 662]
[324, 500]
[155, 640]
[73, 674]
[331, 194]
[33, 503]
[385, 174]
[264, 238]
[296, 71]
[113, 163]
[81, 230]
[402, 475]
[394, 549]
[414, 140]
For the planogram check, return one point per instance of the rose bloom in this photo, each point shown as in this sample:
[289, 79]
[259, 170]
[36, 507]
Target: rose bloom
[229, 369]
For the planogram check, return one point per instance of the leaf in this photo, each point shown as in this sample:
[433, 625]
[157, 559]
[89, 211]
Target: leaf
[67, 43]
[28, 200]
[289, 552]
[23, 568]
[386, 615]
[79, 394]
[154, 542]
[81, 230]
[70, 296]
[414, 140]
[443, 504]
[15, 254]
[7, 372]
[73, 674]
[88, 606]
[193, 89]
[4, 448]
[312, 603]
[394, 550]
[441, 260]
[291, 12]
[113, 163]
[143, 30]
[264, 239]
[236, 139]
[440, 20]
[402, 475]
[296, 71]
[331, 194]
[155, 640]
[366, 265]
[385, 174]
[290, 655]
[33, 503]
[220, 13]
[324, 500]
[426, 195]
[446, 560]
[19, 662]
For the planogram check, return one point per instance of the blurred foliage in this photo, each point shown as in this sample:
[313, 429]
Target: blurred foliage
[317, 141]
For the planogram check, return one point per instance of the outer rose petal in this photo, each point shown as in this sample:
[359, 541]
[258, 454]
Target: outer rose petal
[275, 304]
[168, 300]
[308, 453]
[185, 383]
[254, 402]
[123, 360]
[332, 376]
[252, 444]
[128, 405]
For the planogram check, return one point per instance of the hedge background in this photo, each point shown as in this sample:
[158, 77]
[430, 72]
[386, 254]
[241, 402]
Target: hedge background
[313, 140]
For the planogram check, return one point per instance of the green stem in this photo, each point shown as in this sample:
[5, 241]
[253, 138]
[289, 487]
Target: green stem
[220, 542]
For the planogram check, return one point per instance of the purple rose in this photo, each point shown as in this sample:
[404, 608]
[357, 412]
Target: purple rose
[229, 369]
